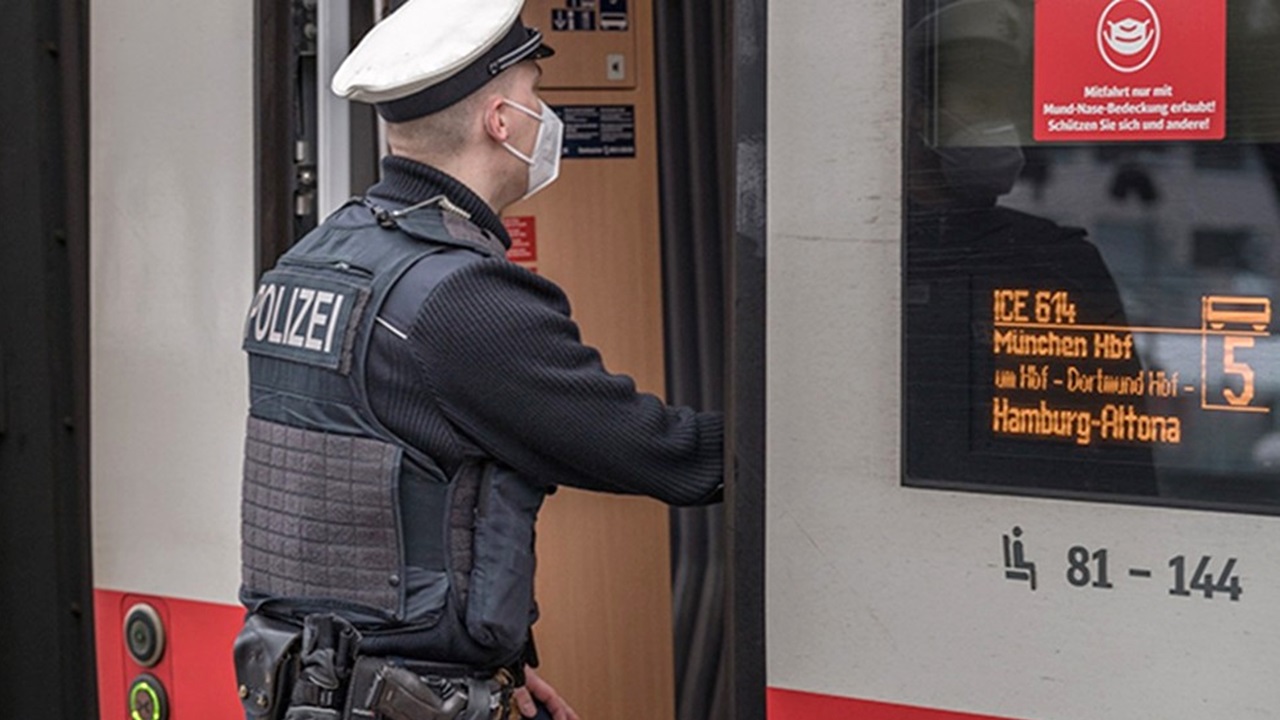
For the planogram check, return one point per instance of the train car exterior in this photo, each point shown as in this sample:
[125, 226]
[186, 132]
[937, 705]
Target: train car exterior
[890, 593]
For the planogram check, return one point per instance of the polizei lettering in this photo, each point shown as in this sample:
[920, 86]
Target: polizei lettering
[295, 316]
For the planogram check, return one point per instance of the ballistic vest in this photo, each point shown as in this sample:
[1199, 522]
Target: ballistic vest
[330, 495]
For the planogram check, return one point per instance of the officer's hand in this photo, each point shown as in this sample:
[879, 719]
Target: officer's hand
[536, 687]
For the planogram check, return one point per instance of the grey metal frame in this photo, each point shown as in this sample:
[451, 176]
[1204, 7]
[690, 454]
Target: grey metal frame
[745, 490]
[46, 618]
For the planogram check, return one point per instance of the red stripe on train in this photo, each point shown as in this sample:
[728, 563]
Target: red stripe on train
[196, 668]
[793, 705]
[199, 678]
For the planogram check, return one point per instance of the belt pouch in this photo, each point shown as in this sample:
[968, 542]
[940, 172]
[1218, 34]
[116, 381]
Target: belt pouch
[500, 606]
[325, 662]
[266, 655]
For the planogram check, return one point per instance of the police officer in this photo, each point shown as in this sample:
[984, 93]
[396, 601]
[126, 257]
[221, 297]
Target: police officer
[414, 396]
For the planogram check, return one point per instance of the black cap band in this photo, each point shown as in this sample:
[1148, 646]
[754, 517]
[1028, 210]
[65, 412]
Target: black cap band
[519, 44]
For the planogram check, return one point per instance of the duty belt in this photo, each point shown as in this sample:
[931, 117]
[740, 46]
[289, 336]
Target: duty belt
[316, 673]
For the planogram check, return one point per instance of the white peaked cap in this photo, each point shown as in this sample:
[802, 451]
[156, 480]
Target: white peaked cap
[429, 54]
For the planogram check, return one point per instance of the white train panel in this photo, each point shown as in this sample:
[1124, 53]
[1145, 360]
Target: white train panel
[171, 212]
[892, 602]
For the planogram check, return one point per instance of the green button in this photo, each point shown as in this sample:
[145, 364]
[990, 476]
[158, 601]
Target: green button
[147, 699]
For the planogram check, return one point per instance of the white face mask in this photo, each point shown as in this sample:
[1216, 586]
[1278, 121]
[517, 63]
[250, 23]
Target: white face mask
[544, 165]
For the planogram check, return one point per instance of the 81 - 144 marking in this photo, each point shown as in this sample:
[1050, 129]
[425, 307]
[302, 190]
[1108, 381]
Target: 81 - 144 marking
[1089, 569]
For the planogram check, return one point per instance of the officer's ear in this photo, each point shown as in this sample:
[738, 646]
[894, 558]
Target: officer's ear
[497, 119]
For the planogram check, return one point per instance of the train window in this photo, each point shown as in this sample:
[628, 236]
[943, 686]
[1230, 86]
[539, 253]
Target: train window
[1092, 249]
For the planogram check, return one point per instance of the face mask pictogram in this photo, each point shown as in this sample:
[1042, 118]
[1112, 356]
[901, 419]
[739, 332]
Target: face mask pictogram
[1128, 35]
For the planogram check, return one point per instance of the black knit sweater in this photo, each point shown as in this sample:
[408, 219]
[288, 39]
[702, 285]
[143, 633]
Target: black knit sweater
[493, 367]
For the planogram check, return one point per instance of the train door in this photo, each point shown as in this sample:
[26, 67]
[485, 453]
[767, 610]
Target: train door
[604, 561]
[1022, 367]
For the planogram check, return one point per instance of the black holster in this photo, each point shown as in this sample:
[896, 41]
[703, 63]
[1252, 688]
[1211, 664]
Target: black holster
[266, 660]
[409, 690]
[399, 694]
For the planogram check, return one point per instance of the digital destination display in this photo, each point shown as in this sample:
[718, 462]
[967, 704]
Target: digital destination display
[1057, 376]
[1088, 305]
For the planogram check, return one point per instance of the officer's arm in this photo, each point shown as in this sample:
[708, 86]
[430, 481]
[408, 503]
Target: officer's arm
[508, 368]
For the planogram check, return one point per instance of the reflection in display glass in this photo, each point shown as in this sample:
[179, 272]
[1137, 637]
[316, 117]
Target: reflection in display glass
[1091, 314]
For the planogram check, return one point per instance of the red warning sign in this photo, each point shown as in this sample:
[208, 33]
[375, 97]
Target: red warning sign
[1110, 70]
[523, 230]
